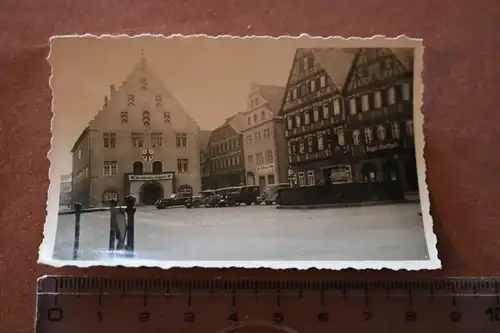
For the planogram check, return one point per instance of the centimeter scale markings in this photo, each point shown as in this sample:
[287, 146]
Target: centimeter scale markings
[102, 304]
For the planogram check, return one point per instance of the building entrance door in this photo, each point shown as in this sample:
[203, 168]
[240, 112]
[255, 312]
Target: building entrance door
[151, 192]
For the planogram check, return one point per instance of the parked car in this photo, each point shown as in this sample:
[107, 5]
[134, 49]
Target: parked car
[199, 200]
[270, 194]
[176, 199]
[215, 199]
[246, 194]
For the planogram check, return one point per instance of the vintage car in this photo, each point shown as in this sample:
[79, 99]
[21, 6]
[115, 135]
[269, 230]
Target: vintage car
[214, 199]
[246, 194]
[270, 194]
[199, 200]
[176, 199]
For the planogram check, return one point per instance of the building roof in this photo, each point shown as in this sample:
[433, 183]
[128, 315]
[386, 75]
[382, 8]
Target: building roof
[273, 95]
[204, 138]
[236, 121]
[336, 62]
[406, 56]
[80, 138]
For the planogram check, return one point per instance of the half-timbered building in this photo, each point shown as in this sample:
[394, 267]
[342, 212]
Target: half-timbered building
[227, 165]
[312, 109]
[379, 110]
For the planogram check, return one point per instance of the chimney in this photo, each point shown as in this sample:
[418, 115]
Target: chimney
[112, 89]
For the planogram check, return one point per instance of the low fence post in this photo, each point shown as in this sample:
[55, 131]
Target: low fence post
[130, 201]
[112, 224]
[76, 243]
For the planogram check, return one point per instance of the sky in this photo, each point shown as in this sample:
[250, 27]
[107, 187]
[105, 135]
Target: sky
[210, 77]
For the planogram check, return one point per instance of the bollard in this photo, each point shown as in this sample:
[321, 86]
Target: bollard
[76, 244]
[130, 202]
[112, 224]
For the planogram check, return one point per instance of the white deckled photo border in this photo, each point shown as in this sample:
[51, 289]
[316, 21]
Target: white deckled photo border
[46, 249]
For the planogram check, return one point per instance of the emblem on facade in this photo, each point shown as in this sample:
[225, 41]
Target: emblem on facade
[147, 155]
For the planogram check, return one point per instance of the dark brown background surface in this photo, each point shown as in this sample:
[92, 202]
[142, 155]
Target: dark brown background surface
[461, 99]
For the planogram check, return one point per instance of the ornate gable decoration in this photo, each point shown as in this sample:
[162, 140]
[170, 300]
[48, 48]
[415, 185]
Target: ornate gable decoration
[144, 84]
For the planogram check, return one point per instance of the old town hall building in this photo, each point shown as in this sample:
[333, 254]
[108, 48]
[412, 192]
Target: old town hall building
[141, 143]
[349, 116]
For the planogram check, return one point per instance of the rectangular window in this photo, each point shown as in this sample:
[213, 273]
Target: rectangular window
[289, 122]
[378, 99]
[297, 120]
[310, 178]
[309, 144]
[182, 165]
[406, 91]
[381, 132]
[156, 140]
[356, 137]
[306, 118]
[110, 168]
[322, 81]
[269, 156]
[302, 179]
[409, 127]
[316, 114]
[137, 140]
[336, 107]
[301, 147]
[250, 159]
[320, 142]
[340, 137]
[326, 111]
[312, 85]
[352, 105]
[368, 135]
[109, 140]
[181, 140]
[395, 129]
[259, 158]
[391, 95]
[365, 104]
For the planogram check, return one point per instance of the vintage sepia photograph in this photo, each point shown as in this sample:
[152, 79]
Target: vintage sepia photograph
[199, 151]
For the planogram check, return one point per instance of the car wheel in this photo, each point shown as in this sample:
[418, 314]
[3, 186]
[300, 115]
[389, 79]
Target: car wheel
[269, 203]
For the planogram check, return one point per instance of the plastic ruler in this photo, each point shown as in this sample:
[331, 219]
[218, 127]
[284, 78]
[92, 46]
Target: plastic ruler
[130, 304]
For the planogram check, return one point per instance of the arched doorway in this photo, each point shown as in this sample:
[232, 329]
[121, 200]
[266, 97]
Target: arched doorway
[157, 167]
[390, 169]
[138, 168]
[151, 192]
[369, 172]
